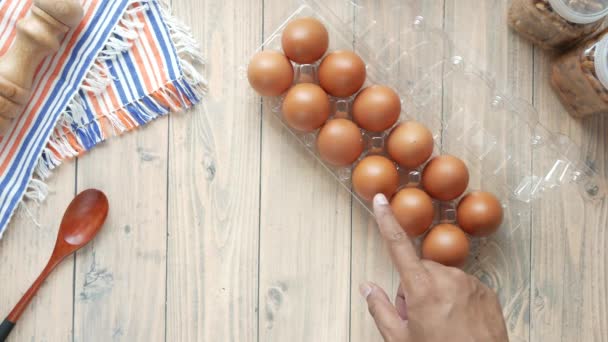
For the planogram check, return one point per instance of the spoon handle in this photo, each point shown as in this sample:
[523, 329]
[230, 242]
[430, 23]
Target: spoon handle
[5, 329]
[11, 320]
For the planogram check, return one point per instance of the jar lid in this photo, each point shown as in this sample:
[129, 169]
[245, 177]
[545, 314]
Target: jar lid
[580, 11]
[601, 61]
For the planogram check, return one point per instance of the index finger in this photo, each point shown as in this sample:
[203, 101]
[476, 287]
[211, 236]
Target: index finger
[414, 276]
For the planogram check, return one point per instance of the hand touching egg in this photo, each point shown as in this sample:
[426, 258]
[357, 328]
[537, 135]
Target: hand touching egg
[374, 175]
[414, 211]
[348, 122]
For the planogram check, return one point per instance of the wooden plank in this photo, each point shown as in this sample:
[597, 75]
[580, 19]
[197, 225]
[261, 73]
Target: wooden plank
[483, 39]
[24, 251]
[304, 231]
[214, 180]
[120, 277]
[569, 281]
[370, 259]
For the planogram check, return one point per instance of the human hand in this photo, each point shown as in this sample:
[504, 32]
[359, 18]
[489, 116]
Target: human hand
[434, 303]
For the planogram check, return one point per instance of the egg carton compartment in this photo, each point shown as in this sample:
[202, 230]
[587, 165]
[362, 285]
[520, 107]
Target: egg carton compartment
[490, 146]
[446, 93]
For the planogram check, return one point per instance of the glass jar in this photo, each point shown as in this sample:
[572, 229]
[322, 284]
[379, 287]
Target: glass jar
[557, 24]
[580, 77]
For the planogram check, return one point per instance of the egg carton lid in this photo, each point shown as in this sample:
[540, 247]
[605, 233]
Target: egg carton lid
[452, 69]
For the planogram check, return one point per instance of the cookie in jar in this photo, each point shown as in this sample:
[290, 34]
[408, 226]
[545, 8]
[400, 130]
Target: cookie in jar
[557, 24]
[580, 77]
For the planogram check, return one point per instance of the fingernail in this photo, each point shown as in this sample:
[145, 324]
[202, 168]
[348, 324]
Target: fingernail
[365, 290]
[380, 199]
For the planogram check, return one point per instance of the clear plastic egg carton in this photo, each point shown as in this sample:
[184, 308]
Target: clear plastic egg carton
[492, 132]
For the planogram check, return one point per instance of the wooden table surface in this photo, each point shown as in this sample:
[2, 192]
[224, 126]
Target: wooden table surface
[222, 228]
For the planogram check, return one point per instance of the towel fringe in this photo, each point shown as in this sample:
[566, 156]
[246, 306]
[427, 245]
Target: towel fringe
[36, 192]
[75, 134]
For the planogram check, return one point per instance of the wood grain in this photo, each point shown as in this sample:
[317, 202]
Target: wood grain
[223, 228]
[370, 260]
[24, 250]
[120, 277]
[569, 239]
[304, 232]
[502, 261]
[214, 181]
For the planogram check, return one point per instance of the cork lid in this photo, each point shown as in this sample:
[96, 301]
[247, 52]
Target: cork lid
[68, 12]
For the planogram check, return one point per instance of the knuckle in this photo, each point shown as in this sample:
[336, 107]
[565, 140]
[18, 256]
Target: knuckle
[397, 237]
[459, 275]
[435, 297]
[424, 300]
[430, 264]
[423, 278]
[455, 276]
[422, 282]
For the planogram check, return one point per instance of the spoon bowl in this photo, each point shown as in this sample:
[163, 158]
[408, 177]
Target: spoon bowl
[83, 219]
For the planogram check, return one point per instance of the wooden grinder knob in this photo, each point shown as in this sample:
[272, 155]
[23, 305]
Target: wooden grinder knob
[38, 35]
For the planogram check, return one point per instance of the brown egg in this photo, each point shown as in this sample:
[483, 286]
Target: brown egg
[305, 40]
[270, 73]
[446, 244]
[410, 144]
[479, 213]
[374, 175]
[342, 73]
[306, 107]
[414, 210]
[445, 177]
[340, 142]
[376, 108]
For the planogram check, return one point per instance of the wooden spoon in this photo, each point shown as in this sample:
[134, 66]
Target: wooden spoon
[81, 222]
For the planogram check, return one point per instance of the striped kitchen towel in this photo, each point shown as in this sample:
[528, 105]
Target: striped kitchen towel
[127, 63]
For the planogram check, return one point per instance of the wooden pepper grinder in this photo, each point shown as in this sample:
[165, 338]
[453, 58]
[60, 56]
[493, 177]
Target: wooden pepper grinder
[38, 35]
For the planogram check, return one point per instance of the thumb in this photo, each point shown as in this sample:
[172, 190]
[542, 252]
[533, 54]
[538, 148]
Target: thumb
[387, 319]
